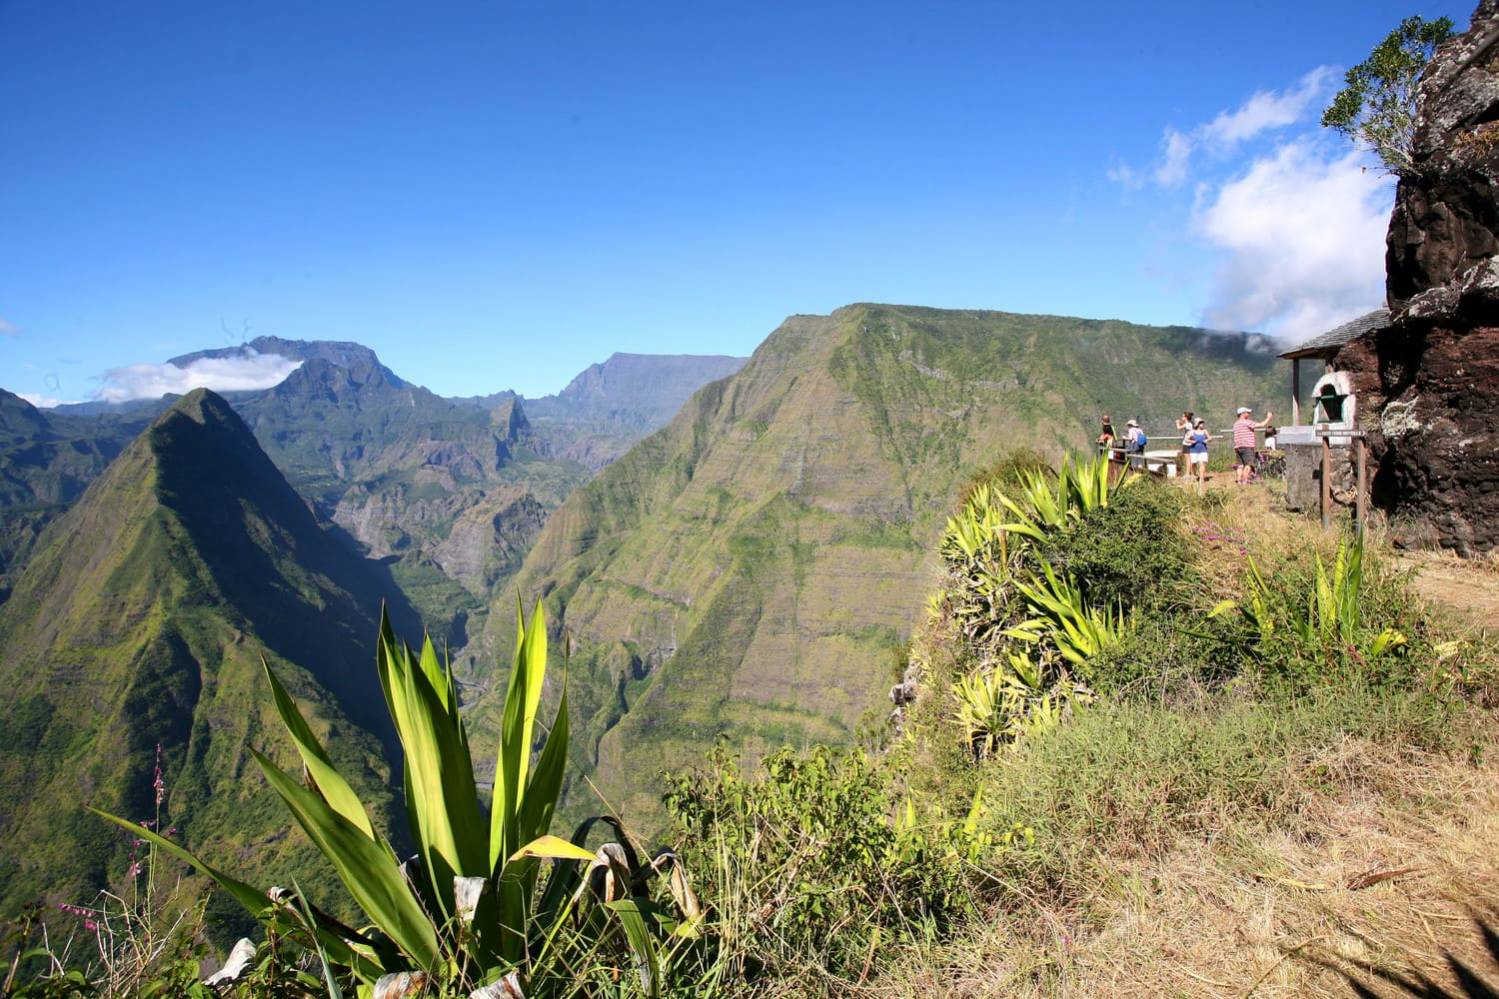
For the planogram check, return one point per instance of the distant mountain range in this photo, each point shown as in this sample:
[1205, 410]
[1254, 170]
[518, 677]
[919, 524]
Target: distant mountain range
[397, 467]
[46, 461]
[141, 620]
[737, 549]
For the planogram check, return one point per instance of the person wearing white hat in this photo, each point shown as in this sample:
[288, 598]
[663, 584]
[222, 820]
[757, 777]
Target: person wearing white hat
[1134, 437]
[1244, 428]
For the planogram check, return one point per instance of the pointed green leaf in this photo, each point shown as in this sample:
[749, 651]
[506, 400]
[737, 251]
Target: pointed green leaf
[367, 870]
[546, 779]
[253, 899]
[641, 944]
[329, 781]
[522, 698]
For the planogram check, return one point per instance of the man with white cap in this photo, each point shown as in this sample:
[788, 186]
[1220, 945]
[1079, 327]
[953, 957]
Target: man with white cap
[1244, 428]
[1134, 438]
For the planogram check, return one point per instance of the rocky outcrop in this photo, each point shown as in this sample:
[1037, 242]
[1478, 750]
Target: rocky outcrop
[490, 539]
[1430, 380]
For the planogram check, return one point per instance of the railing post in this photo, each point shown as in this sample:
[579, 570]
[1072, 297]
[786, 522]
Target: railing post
[1361, 502]
[1326, 480]
[1295, 391]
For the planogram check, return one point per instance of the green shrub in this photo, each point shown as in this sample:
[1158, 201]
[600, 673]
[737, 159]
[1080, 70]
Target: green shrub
[1131, 552]
[1315, 620]
[813, 860]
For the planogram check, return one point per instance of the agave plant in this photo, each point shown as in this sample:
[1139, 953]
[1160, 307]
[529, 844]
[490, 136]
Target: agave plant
[1328, 623]
[1064, 621]
[1042, 506]
[1018, 698]
[465, 912]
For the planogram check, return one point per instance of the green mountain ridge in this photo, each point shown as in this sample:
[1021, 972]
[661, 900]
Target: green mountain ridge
[451, 491]
[141, 621]
[46, 462]
[752, 570]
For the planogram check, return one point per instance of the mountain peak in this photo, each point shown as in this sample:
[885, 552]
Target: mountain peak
[204, 406]
[19, 416]
[341, 353]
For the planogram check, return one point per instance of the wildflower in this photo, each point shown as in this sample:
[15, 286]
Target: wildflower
[134, 870]
[158, 782]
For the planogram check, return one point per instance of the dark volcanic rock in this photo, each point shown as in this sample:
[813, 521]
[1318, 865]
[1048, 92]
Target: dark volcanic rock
[1431, 379]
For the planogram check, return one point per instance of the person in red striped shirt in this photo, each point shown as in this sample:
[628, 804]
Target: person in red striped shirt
[1244, 428]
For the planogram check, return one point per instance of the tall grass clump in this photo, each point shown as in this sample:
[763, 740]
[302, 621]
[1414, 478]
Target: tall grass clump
[814, 863]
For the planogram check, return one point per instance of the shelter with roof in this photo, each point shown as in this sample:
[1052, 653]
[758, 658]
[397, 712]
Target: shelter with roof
[1325, 347]
[1324, 456]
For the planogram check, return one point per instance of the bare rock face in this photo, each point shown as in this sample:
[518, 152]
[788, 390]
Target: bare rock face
[490, 538]
[1432, 376]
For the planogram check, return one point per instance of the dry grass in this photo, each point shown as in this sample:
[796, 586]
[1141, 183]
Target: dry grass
[1256, 911]
[1375, 854]
[1464, 592]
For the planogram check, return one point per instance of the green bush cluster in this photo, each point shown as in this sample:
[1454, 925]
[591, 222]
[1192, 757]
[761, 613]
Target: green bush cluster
[807, 864]
[1131, 552]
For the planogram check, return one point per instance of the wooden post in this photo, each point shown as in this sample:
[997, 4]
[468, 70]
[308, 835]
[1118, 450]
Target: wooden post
[1326, 481]
[1361, 502]
[1295, 391]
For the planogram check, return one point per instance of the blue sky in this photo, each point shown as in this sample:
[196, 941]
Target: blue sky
[495, 195]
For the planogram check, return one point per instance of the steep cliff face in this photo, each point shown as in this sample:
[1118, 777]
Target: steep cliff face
[750, 571]
[610, 406]
[1434, 373]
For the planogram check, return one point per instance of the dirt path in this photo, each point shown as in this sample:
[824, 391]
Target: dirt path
[1465, 589]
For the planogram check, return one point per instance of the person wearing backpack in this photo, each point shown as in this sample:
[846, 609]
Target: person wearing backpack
[1134, 437]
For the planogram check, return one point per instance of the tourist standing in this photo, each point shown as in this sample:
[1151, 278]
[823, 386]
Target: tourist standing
[1244, 428]
[1196, 442]
[1184, 427]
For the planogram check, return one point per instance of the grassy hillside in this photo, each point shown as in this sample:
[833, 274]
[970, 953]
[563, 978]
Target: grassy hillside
[752, 570]
[46, 461]
[1257, 763]
[140, 623]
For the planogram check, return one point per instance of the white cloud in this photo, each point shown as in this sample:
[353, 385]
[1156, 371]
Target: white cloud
[1264, 111]
[248, 372]
[1267, 109]
[1302, 233]
[1176, 152]
[1125, 175]
[41, 401]
[8, 328]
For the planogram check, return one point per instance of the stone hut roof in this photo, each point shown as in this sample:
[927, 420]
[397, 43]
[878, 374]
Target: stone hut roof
[1328, 343]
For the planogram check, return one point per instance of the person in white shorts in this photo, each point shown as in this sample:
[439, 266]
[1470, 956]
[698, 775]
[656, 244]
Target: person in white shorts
[1196, 443]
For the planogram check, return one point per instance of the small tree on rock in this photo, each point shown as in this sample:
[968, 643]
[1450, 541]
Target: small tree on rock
[1377, 106]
